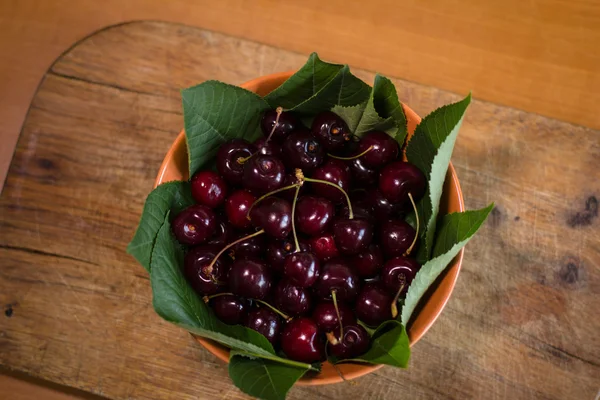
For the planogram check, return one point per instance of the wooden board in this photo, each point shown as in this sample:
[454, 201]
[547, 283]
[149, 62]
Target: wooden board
[522, 322]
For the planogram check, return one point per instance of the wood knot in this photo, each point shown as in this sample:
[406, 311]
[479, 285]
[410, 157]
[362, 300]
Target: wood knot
[570, 273]
[585, 217]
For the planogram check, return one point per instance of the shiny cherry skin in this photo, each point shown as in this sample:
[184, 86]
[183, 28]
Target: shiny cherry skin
[278, 250]
[334, 171]
[395, 237]
[224, 232]
[323, 246]
[337, 275]
[250, 278]
[229, 309]
[291, 299]
[330, 130]
[300, 341]
[326, 317]
[208, 188]
[302, 268]
[266, 322]
[385, 149]
[313, 215]
[237, 206]
[263, 173]
[355, 342]
[194, 225]
[228, 155]
[361, 174]
[360, 210]
[195, 269]
[269, 148]
[399, 272]
[398, 179]
[352, 236]
[274, 215]
[368, 263]
[286, 124]
[373, 305]
[302, 150]
[251, 247]
[383, 209]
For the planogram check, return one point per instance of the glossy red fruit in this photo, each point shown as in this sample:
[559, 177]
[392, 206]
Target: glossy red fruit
[396, 237]
[286, 124]
[195, 270]
[326, 317]
[330, 130]
[398, 273]
[323, 246]
[384, 149]
[208, 188]
[337, 275]
[251, 247]
[301, 341]
[229, 309]
[237, 206]
[353, 343]
[383, 209]
[250, 278]
[278, 250]
[274, 215]
[194, 225]
[336, 172]
[373, 305]
[352, 236]
[228, 157]
[263, 174]
[302, 268]
[313, 215]
[291, 299]
[302, 150]
[368, 263]
[224, 232]
[266, 322]
[398, 179]
[268, 148]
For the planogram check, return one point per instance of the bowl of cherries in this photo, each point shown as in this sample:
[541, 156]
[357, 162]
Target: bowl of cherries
[293, 229]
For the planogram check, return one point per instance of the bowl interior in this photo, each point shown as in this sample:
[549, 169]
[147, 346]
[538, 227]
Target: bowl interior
[175, 167]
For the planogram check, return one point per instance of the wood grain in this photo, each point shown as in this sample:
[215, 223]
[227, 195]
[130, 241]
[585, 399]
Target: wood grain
[522, 322]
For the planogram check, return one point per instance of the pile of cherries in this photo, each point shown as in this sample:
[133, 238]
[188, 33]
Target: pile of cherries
[301, 234]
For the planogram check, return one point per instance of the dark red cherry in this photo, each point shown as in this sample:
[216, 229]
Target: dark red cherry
[263, 173]
[224, 232]
[269, 148]
[396, 237]
[361, 174]
[286, 124]
[398, 273]
[250, 277]
[352, 236]
[274, 215]
[266, 322]
[360, 210]
[208, 188]
[229, 309]
[195, 269]
[227, 159]
[334, 171]
[302, 268]
[326, 317]
[383, 209]
[385, 149]
[368, 263]
[323, 246]
[330, 130]
[373, 305]
[337, 275]
[278, 250]
[302, 150]
[237, 206]
[291, 299]
[398, 179]
[251, 247]
[355, 342]
[291, 179]
[313, 215]
[301, 341]
[194, 225]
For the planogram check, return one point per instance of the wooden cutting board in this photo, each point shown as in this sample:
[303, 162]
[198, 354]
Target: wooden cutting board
[523, 321]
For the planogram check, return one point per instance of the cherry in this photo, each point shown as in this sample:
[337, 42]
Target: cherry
[302, 268]
[396, 276]
[269, 148]
[278, 250]
[291, 179]
[354, 342]
[274, 215]
[228, 157]
[398, 179]
[361, 211]
[313, 215]
[384, 149]
[292, 299]
[302, 150]
[361, 174]
[337, 276]
[205, 280]
[250, 277]
[352, 236]
[326, 317]
[334, 171]
[237, 206]
[208, 188]
[263, 173]
[383, 209]
[368, 263]
[224, 232]
[266, 322]
[330, 130]
[323, 246]
[301, 341]
[396, 237]
[286, 123]
[229, 308]
[373, 304]
[194, 225]
[251, 247]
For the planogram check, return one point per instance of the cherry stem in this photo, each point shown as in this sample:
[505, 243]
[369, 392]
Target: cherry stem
[412, 245]
[395, 301]
[352, 157]
[337, 312]
[242, 160]
[278, 110]
[206, 299]
[264, 303]
[261, 198]
[350, 213]
[331, 338]
[294, 218]
[209, 269]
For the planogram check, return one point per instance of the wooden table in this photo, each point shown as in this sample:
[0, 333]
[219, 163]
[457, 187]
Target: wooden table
[522, 322]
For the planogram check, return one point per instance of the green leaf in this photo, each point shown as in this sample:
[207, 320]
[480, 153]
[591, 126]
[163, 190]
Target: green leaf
[455, 231]
[350, 114]
[390, 346]
[215, 112]
[430, 150]
[264, 379]
[174, 196]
